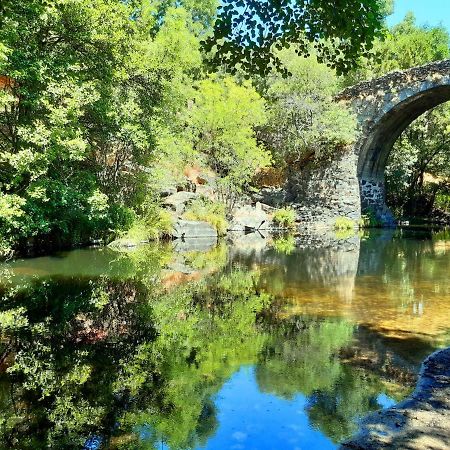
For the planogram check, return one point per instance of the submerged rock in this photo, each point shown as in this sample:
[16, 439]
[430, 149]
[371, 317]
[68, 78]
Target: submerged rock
[420, 422]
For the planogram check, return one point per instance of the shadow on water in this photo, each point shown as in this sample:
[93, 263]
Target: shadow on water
[258, 344]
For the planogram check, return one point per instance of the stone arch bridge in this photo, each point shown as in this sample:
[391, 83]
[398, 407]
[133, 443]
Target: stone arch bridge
[354, 181]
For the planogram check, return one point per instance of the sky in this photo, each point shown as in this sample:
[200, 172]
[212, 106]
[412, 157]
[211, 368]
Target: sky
[431, 12]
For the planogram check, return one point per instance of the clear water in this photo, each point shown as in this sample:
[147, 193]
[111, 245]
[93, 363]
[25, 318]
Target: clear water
[258, 344]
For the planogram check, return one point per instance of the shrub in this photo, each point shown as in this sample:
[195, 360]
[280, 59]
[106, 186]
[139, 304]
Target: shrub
[5, 249]
[154, 223]
[208, 211]
[344, 223]
[442, 201]
[303, 118]
[221, 125]
[284, 218]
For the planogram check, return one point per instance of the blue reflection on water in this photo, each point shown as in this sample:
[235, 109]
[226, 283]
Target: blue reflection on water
[252, 420]
[384, 401]
[93, 443]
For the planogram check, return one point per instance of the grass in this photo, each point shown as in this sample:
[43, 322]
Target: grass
[284, 218]
[156, 224]
[344, 228]
[344, 223]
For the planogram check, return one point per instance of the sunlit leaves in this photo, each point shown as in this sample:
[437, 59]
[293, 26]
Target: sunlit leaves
[419, 164]
[221, 124]
[247, 33]
[406, 45]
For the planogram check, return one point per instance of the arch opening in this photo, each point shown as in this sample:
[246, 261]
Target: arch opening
[377, 146]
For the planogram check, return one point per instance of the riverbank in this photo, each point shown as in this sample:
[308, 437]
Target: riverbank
[420, 422]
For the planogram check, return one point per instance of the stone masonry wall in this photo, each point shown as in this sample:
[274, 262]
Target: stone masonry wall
[322, 192]
[373, 195]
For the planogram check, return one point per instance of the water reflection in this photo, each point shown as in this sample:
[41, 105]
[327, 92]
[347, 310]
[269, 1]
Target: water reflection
[388, 281]
[255, 346]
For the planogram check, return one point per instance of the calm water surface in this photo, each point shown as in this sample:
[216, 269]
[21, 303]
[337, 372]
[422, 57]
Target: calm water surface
[256, 344]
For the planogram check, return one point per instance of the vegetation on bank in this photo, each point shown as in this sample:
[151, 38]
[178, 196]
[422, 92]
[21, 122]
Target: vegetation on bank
[344, 223]
[105, 103]
[284, 218]
[208, 211]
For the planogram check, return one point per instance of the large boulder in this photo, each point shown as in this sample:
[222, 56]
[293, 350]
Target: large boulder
[178, 201]
[420, 422]
[249, 218]
[166, 191]
[193, 229]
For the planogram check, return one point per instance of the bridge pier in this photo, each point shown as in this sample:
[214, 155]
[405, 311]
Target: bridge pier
[373, 200]
[323, 191]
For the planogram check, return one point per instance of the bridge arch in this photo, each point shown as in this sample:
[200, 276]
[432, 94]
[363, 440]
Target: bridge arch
[385, 107]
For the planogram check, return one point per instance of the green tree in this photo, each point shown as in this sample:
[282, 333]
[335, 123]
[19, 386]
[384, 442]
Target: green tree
[304, 121]
[202, 13]
[71, 124]
[221, 124]
[422, 152]
[405, 45]
[94, 89]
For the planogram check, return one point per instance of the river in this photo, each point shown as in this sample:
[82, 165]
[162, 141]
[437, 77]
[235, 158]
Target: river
[258, 343]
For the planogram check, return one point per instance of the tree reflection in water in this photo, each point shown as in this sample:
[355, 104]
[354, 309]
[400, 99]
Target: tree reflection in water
[129, 361]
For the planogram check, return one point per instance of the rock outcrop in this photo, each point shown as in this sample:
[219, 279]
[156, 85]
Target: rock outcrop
[248, 218]
[421, 422]
[179, 201]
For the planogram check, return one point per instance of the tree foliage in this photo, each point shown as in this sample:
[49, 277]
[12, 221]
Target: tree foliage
[221, 122]
[303, 119]
[248, 33]
[404, 46]
[419, 164]
[72, 122]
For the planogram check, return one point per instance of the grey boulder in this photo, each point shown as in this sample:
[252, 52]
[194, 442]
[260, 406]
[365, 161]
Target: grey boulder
[179, 201]
[248, 218]
[193, 229]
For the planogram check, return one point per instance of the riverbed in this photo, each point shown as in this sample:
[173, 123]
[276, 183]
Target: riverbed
[255, 342]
